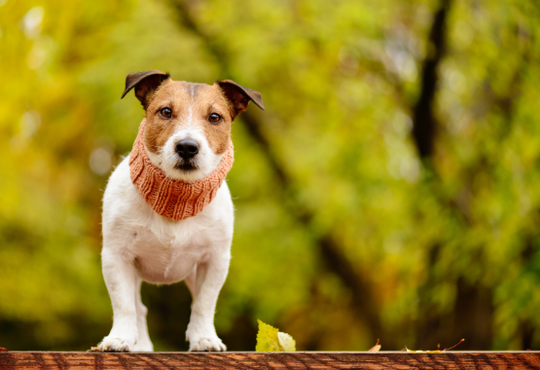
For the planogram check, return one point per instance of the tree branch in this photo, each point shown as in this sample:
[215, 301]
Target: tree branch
[424, 120]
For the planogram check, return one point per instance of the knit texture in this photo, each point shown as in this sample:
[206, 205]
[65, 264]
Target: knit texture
[174, 199]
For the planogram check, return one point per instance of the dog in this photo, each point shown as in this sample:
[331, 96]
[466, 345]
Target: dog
[167, 211]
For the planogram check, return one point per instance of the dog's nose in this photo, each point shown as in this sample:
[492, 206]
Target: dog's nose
[187, 148]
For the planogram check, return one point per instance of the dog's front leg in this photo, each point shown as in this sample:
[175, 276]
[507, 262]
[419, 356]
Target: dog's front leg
[205, 284]
[121, 280]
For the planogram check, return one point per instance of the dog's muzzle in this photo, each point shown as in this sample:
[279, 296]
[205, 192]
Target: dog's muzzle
[187, 149]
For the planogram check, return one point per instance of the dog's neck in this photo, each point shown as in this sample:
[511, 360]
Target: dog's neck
[174, 199]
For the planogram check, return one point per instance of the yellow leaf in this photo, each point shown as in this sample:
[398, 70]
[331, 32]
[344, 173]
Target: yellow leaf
[412, 351]
[270, 339]
[267, 338]
[287, 342]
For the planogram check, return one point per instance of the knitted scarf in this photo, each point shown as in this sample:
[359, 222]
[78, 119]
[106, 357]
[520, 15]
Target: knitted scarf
[174, 199]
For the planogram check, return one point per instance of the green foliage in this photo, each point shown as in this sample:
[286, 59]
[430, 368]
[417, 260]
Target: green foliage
[444, 243]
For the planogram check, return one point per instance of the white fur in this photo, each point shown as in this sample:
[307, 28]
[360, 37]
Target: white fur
[140, 245]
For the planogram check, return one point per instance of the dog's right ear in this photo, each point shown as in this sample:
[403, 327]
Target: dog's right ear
[144, 83]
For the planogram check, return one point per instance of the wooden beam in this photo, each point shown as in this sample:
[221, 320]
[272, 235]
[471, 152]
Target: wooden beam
[280, 360]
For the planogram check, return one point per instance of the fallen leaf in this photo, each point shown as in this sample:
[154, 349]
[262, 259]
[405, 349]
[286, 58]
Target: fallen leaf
[454, 346]
[287, 342]
[420, 351]
[376, 347]
[438, 350]
[270, 339]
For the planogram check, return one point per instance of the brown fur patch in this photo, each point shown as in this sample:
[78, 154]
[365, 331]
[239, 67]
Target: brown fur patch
[211, 100]
[180, 97]
[158, 130]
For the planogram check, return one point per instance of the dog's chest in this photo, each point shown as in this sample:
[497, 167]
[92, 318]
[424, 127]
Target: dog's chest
[168, 254]
[163, 251]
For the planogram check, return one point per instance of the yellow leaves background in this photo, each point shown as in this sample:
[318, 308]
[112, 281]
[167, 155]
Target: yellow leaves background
[343, 232]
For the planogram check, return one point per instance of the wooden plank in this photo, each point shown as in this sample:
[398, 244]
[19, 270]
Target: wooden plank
[281, 360]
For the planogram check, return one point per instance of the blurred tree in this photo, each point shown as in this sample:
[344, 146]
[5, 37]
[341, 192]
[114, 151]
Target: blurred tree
[388, 191]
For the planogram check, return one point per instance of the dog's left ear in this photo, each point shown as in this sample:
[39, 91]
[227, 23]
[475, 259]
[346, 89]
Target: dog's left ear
[239, 96]
[144, 82]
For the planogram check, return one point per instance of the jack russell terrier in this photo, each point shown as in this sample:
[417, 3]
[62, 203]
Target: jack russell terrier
[167, 213]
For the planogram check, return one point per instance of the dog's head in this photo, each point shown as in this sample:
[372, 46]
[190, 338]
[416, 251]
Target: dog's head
[188, 125]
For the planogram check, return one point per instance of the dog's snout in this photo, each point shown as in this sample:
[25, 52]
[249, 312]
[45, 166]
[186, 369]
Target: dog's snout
[187, 148]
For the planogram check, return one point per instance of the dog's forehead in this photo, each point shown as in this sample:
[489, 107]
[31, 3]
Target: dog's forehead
[184, 89]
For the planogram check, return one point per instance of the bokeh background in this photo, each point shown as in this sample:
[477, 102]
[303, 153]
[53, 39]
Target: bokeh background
[391, 190]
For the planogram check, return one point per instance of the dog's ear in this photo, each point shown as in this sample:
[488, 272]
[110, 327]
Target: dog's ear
[239, 96]
[144, 83]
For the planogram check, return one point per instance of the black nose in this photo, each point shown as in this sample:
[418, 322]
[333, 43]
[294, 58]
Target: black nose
[187, 148]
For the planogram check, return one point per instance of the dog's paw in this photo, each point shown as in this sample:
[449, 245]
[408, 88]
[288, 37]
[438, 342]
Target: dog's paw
[143, 346]
[111, 344]
[207, 345]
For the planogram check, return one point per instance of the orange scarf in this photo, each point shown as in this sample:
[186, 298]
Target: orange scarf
[174, 199]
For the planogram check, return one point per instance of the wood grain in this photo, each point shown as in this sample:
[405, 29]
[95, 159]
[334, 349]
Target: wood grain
[254, 360]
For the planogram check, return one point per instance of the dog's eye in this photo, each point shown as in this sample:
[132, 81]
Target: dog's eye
[166, 113]
[214, 118]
